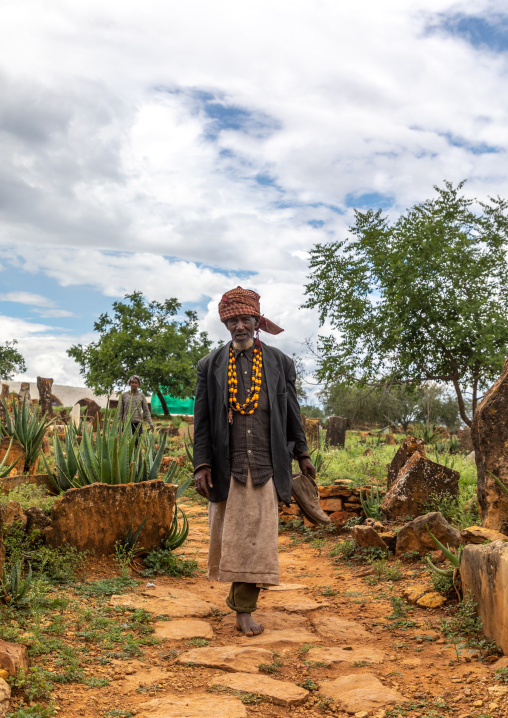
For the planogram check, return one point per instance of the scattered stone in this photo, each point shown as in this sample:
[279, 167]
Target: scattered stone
[490, 439]
[376, 525]
[415, 537]
[414, 592]
[12, 513]
[13, 656]
[484, 573]
[283, 693]
[367, 537]
[478, 535]
[418, 480]
[36, 520]
[339, 629]
[340, 518]
[175, 603]
[228, 658]
[433, 599]
[334, 656]
[82, 517]
[405, 451]
[193, 706]
[185, 628]
[360, 692]
[5, 697]
[295, 636]
[275, 621]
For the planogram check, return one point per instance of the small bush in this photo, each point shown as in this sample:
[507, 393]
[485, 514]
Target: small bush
[164, 562]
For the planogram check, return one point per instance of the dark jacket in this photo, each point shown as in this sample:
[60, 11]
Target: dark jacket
[211, 427]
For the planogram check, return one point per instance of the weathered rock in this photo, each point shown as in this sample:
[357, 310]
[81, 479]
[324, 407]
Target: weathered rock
[288, 587]
[391, 440]
[341, 489]
[376, 525]
[193, 706]
[76, 414]
[3, 398]
[417, 481]
[405, 451]
[13, 656]
[12, 513]
[311, 428]
[44, 387]
[175, 603]
[84, 517]
[24, 393]
[184, 628]
[16, 452]
[228, 658]
[340, 518]
[284, 637]
[5, 697]
[432, 599]
[336, 431]
[338, 629]
[478, 535]
[36, 520]
[275, 621]
[360, 692]
[335, 656]
[484, 573]
[415, 591]
[490, 439]
[367, 537]
[415, 537]
[331, 505]
[282, 693]
[292, 604]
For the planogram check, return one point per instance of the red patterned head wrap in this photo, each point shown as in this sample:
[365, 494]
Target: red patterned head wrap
[244, 301]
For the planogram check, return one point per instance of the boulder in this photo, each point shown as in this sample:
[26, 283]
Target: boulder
[336, 431]
[490, 439]
[418, 480]
[340, 518]
[36, 520]
[95, 517]
[479, 535]
[12, 513]
[13, 656]
[5, 697]
[484, 573]
[415, 537]
[367, 537]
[405, 451]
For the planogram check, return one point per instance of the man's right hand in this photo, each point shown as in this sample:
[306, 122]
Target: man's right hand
[203, 480]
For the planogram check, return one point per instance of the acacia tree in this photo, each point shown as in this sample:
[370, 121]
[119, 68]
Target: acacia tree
[422, 299]
[11, 361]
[141, 339]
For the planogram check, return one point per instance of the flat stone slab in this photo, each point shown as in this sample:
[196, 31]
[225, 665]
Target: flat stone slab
[183, 628]
[338, 629]
[195, 706]
[275, 621]
[289, 587]
[281, 692]
[360, 692]
[286, 637]
[228, 658]
[334, 656]
[296, 605]
[174, 603]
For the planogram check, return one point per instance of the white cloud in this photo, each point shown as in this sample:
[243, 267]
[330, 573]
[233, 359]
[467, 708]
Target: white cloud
[35, 300]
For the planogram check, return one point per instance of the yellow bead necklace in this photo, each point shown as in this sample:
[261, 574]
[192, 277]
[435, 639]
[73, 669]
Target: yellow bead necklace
[251, 402]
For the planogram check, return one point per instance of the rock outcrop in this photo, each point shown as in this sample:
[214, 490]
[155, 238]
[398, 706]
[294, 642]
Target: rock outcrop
[404, 453]
[95, 517]
[415, 537]
[417, 481]
[12, 513]
[490, 440]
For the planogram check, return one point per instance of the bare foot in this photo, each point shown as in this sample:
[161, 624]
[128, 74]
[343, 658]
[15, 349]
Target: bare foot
[245, 623]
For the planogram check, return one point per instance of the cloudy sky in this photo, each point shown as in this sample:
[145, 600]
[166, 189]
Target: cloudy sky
[182, 148]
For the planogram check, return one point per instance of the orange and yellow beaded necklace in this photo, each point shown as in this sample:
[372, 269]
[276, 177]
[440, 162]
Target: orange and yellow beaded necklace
[251, 402]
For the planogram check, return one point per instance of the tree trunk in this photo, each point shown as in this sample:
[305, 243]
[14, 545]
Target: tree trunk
[462, 408]
[336, 431]
[44, 386]
[163, 402]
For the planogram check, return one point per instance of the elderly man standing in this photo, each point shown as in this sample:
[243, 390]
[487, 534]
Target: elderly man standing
[247, 430]
[134, 403]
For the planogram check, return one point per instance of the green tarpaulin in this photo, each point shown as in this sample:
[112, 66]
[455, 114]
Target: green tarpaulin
[175, 406]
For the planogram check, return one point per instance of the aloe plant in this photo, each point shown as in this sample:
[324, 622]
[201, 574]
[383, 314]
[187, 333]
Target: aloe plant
[27, 428]
[5, 469]
[14, 588]
[453, 558]
[500, 483]
[371, 504]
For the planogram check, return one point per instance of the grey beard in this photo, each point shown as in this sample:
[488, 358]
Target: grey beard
[241, 346]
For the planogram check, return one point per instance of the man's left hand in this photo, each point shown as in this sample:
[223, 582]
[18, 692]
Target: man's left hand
[307, 467]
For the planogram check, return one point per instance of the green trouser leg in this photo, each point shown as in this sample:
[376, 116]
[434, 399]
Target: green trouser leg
[243, 597]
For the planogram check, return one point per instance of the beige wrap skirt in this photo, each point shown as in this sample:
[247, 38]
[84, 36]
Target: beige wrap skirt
[244, 535]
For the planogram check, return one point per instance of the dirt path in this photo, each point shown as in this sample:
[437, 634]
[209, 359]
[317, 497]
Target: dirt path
[332, 646]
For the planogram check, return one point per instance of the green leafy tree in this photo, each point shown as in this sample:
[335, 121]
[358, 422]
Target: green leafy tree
[422, 299]
[141, 338]
[11, 361]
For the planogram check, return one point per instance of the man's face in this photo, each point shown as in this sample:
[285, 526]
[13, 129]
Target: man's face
[134, 383]
[242, 330]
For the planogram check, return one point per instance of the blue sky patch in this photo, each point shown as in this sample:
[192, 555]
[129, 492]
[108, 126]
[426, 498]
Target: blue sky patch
[369, 200]
[476, 148]
[481, 32]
